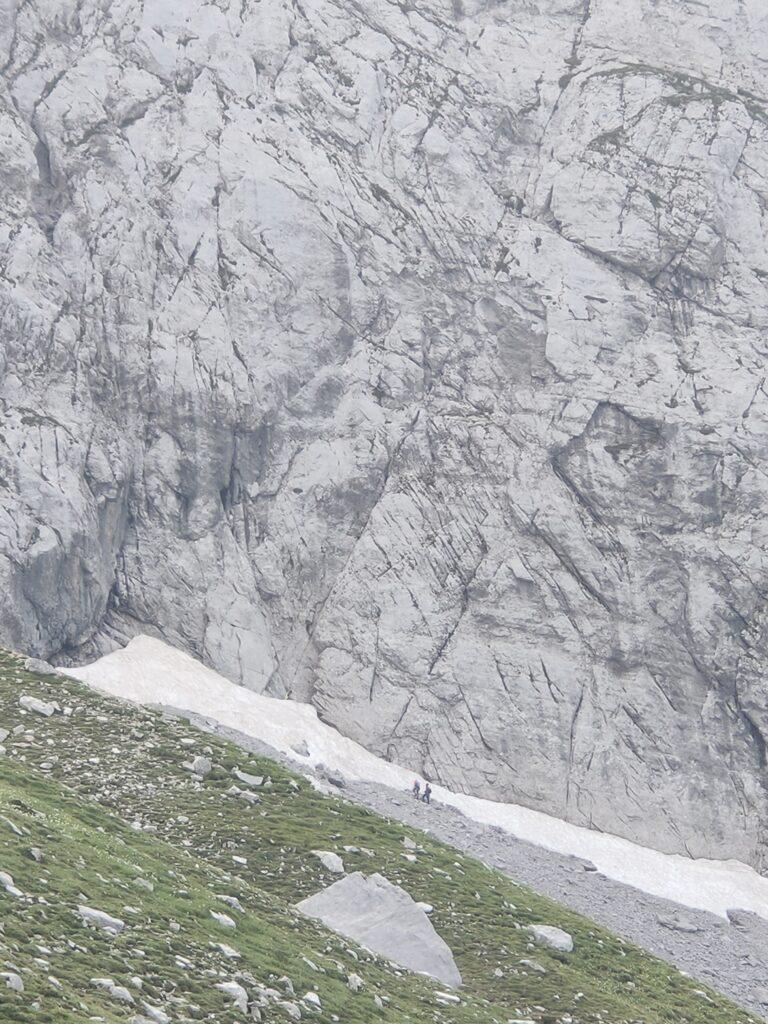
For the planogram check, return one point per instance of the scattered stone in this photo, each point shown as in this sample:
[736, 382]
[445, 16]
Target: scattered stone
[383, 918]
[555, 938]
[313, 999]
[702, 995]
[301, 749]
[12, 981]
[155, 1015]
[229, 953]
[234, 991]
[12, 826]
[199, 765]
[39, 667]
[335, 778]
[100, 919]
[6, 881]
[223, 919]
[292, 1009]
[116, 992]
[248, 780]
[40, 707]
[677, 923]
[534, 965]
[447, 999]
[354, 983]
[36, 853]
[330, 861]
[753, 926]
[231, 901]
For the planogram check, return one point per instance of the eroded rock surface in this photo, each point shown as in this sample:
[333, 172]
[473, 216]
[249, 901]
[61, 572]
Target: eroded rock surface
[409, 359]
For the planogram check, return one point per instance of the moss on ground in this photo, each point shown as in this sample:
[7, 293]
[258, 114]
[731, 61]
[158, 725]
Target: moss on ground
[103, 792]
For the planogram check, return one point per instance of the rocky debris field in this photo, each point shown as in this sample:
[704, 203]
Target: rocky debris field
[151, 872]
[729, 955]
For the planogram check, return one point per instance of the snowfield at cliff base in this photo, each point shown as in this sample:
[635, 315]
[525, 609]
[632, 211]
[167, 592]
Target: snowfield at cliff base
[148, 671]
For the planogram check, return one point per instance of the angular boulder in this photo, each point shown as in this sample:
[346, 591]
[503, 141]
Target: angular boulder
[40, 707]
[101, 919]
[330, 861]
[383, 918]
[555, 938]
[39, 667]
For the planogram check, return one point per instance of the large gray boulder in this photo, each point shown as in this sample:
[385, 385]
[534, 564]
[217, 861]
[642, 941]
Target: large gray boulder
[383, 918]
[410, 363]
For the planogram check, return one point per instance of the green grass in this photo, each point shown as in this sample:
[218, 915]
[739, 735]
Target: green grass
[102, 792]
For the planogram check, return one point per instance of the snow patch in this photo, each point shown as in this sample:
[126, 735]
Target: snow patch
[148, 671]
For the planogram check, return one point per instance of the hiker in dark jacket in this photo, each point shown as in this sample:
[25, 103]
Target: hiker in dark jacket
[427, 793]
[416, 788]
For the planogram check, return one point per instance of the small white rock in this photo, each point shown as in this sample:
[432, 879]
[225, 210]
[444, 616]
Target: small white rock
[100, 919]
[555, 938]
[6, 881]
[155, 1014]
[249, 780]
[447, 998]
[223, 919]
[330, 861]
[231, 901]
[228, 952]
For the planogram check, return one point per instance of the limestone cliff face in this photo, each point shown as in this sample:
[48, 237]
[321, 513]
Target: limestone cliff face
[409, 358]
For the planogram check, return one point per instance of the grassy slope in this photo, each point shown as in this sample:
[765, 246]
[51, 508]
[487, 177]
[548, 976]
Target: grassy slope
[78, 779]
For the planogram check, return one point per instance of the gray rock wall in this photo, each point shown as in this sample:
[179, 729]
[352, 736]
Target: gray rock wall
[407, 358]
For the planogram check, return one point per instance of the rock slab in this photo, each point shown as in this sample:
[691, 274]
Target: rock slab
[383, 918]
